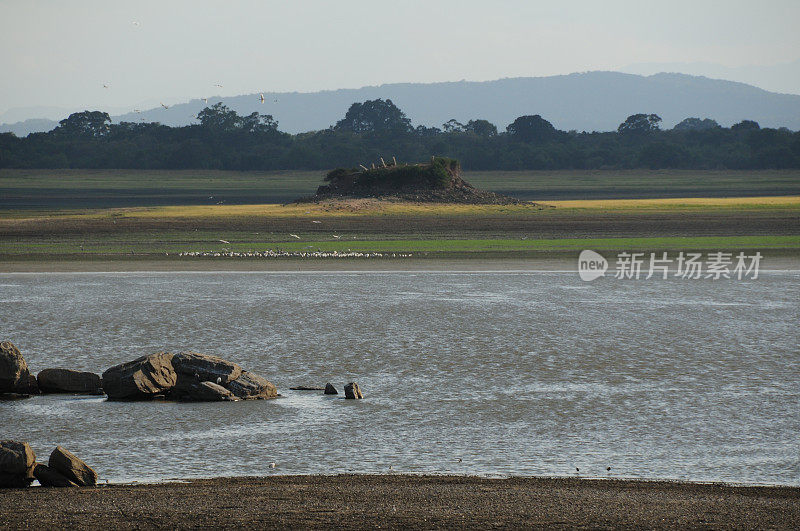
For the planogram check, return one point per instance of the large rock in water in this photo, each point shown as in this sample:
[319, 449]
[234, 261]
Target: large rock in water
[140, 379]
[50, 478]
[205, 368]
[16, 464]
[72, 468]
[68, 381]
[330, 389]
[14, 374]
[252, 386]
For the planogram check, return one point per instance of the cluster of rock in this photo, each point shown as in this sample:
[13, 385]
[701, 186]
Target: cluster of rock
[351, 390]
[184, 376]
[18, 468]
[16, 378]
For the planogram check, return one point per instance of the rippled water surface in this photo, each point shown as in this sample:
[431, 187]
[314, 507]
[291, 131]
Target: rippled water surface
[467, 373]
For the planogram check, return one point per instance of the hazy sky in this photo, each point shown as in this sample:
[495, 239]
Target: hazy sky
[60, 53]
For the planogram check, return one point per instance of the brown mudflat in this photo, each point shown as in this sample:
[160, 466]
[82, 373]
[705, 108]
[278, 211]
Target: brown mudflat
[402, 501]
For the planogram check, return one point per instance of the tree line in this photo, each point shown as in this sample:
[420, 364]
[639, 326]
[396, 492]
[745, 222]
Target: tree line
[222, 139]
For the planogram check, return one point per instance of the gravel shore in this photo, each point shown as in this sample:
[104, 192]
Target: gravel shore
[403, 501]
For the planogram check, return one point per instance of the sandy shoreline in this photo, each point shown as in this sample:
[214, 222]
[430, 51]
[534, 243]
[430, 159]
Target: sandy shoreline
[402, 501]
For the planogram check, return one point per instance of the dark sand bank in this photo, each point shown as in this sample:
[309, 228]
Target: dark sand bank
[555, 263]
[774, 260]
[401, 501]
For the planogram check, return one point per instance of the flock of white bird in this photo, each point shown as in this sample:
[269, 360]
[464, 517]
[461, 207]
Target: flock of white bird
[290, 254]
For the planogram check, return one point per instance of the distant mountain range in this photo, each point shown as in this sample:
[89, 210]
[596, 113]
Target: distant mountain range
[782, 77]
[591, 101]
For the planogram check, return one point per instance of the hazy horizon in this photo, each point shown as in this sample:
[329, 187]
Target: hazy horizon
[148, 53]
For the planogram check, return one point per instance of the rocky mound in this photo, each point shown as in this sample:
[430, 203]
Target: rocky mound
[184, 376]
[438, 181]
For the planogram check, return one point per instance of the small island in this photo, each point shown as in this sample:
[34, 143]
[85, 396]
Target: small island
[437, 181]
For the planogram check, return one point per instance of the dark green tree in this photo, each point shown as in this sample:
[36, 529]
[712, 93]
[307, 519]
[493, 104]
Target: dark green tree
[258, 123]
[453, 126]
[482, 128]
[86, 123]
[745, 125]
[219, 117]
[381, 116]
[532, 129]
[696, 124]
[639, 124]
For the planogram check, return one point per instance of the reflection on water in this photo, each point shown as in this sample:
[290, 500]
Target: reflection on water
[467, 373]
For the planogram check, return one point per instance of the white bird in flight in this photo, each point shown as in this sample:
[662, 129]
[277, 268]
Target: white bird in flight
[224, 241]
[105, 86]
[295, 236]
[205, 100]
[261, 98]
[135, 23]
[165, 106]
[217, 85]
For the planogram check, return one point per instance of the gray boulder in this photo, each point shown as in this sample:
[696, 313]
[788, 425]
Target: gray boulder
[14, 374]
[206, 392]
[352, 390]
[140, 379]
[205, 368]
[69, 381]
[16, 464]
[330, 389]
[72, 468]
[252, 386]
[50, 478]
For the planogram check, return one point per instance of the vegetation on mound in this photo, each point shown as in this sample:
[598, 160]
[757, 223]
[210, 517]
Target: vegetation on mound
[439, 174]
[437, 181]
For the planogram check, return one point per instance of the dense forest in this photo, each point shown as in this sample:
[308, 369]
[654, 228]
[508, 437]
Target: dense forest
[377, 128]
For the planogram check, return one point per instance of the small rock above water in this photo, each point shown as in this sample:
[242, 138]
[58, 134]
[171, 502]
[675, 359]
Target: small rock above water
[69, 381]
[72, 468]
[353, 391]
[140, 379]
[330, 389]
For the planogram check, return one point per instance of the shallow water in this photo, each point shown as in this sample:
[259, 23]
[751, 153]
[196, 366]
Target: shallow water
[506, 373]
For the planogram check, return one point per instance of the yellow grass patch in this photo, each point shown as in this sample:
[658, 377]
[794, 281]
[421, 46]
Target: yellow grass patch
[680, 203]
[380, 208]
